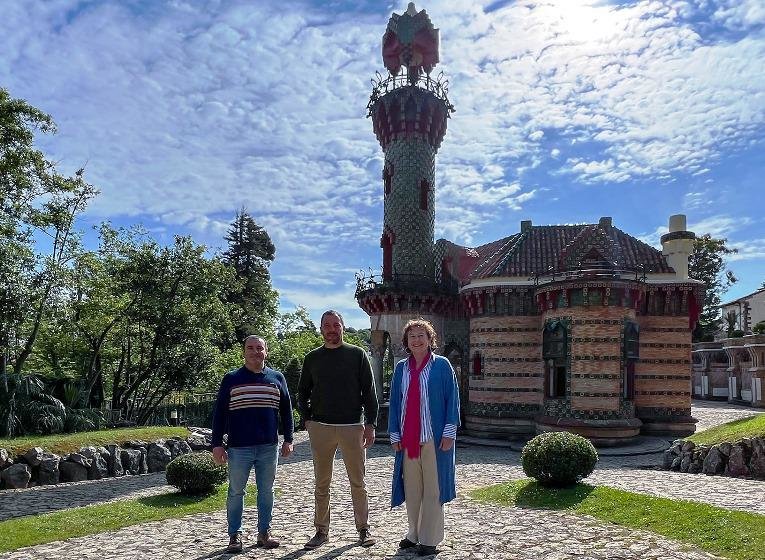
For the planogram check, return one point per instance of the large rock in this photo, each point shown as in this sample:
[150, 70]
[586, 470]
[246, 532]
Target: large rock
[157, 457]
[669, 457]
[5, 459]
[16, 476]
[177, 447]
[144, 467]
[737, 462]
[757, 462]
[198, 442]
[714, 462]
[33, 456]
[685, 461]
[48, 472]
[135, 444]
[98, 468]
[131, 461]
[73, 472]
[114, 460]
[80, 460]
[725, 448]
[688, 446]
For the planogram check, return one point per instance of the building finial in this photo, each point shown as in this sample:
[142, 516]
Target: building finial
[410, 41]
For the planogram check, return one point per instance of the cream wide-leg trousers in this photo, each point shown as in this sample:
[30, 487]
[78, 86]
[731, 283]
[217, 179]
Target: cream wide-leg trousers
[423, 504]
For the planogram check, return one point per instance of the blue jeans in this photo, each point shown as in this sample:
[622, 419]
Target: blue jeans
[240, 461]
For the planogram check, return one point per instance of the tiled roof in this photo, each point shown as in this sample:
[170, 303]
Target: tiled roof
[540, 248]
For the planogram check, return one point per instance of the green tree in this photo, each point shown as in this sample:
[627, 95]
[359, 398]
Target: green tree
[167, 336]
[249, 253]
[38, 240]
[292, 375]
[707, 263]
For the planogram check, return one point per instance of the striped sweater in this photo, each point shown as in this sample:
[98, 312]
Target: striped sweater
[249, 407]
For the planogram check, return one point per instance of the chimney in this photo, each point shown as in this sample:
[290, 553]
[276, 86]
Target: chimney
[677, 245]
[525, 226]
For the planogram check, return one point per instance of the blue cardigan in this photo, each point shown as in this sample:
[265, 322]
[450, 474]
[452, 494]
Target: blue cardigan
[444, 400]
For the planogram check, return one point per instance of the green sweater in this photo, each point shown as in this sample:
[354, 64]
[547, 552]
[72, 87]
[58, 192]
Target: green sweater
[335, 384]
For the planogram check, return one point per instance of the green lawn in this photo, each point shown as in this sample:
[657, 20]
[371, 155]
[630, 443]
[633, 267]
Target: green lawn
[752, 426]
[76, 522]
[732, 534]
[66, 443]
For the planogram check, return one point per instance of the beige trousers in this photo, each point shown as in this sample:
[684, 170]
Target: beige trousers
[325, 440]
[424, 509]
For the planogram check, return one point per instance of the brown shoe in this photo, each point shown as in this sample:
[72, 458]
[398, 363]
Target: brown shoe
[234, 543]
[318, 539]
[266, 540]
[365, 538]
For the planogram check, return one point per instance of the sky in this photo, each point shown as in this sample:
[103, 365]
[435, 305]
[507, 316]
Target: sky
[183, 112]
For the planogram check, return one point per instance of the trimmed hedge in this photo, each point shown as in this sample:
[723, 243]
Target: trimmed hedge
[559, 459]
[195, 473]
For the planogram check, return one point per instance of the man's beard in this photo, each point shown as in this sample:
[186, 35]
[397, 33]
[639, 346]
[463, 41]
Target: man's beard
[332, 338]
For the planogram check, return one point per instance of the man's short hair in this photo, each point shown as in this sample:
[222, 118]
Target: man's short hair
[332, 312]
[256, 337]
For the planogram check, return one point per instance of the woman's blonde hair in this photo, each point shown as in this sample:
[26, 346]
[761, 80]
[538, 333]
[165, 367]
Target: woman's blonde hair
[425, 325]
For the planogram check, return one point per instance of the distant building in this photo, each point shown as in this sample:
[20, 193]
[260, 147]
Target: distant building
[557, 327]
[747, 311]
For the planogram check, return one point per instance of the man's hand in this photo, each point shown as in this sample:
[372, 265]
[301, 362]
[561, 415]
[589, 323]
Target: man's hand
[369, 436]
[286, 449]
[220, 457]
[396, 447]
[446, 443]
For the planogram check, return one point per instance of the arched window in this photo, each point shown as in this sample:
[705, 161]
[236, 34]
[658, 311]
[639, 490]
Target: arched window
[424, 192]
[477, 364]
[631, 356]
[554, 350]
[388, 178]
[386, 242]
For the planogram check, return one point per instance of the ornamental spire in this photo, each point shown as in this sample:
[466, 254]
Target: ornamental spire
[410, 41]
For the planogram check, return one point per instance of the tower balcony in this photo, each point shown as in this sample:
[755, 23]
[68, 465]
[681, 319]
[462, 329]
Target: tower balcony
[407, 107]
[406, 293]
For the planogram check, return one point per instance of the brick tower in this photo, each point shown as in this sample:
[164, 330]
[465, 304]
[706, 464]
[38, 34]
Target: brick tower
[409, 110]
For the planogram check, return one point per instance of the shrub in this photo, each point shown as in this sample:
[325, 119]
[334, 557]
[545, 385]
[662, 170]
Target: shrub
[195, 473]
[559, 459]
[759, 328]
[738, 333]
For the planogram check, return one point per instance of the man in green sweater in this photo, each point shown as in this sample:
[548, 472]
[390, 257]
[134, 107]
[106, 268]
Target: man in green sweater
[336, 384]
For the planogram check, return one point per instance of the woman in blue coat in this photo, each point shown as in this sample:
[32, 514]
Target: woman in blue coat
[423, 419]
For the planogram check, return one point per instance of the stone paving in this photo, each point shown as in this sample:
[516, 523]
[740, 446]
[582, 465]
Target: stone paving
[474, 530]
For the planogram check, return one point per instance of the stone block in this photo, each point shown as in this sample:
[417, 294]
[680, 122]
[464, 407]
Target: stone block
[16, 476]
[73, 472]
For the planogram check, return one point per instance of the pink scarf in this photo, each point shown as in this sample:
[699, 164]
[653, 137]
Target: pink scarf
[410, 439]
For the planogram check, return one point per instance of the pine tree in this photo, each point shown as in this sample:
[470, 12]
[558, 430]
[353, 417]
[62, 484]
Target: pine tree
[250, 252]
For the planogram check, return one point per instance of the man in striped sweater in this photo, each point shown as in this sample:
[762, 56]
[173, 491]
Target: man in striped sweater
[250, 403]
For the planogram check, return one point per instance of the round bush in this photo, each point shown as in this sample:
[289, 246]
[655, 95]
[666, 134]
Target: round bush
[559, 458]
[195, 473]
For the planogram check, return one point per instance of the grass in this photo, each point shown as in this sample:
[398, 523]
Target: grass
[752, 426]
[39, 529]
[67, 443]
[731, 534]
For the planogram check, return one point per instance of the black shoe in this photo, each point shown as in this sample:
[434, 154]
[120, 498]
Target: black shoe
[316, 541]
[266, 540]
[234, 543]
[406, 543]
[426, 550]
[365, 538]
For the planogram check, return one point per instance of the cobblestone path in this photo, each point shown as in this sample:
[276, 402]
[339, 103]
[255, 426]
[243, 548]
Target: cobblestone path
[474, 530]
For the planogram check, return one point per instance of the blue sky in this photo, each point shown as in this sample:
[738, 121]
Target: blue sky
[182, 112]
